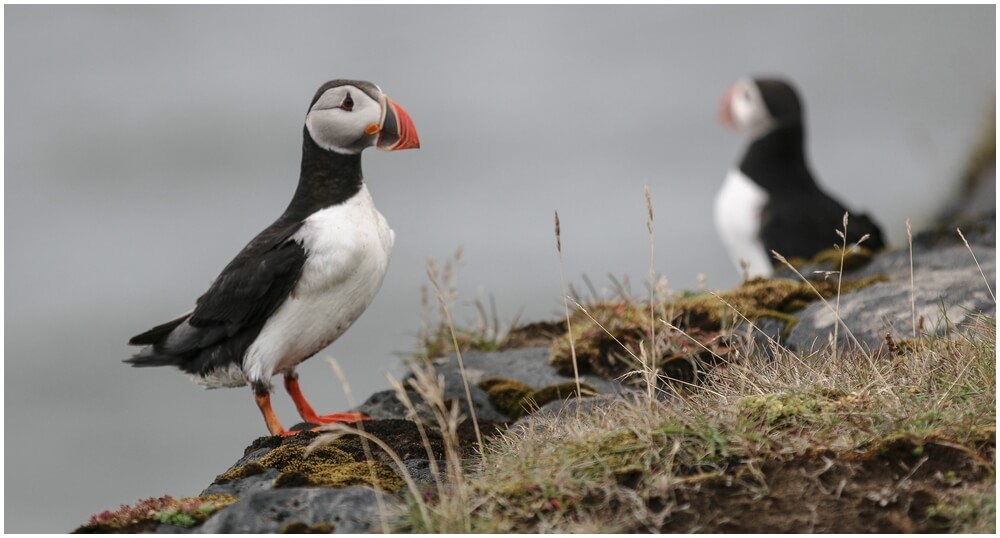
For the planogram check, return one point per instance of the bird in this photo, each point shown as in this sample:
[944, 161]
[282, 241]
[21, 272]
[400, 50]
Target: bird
[304, 280]
[770, 201]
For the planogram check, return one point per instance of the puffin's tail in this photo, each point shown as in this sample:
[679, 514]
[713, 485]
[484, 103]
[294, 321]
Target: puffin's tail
[149, 357]
[153, 339]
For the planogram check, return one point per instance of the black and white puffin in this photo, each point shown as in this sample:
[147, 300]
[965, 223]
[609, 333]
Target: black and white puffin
[300, 283]
[770, 200]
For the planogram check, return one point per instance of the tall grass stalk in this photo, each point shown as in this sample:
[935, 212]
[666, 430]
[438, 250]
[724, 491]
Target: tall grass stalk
[407, 402]
[649, 365]
[569, 323]
[839, 320]
[913, 289]
[986, 280]
[453, 499]
[458, 354]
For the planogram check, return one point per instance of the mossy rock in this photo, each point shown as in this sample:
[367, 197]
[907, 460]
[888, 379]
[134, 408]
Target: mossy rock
[854, 258]
[325, 466]
[597, 340]
[516, 399]
[608, 336]
[760, 298]
[376, 475]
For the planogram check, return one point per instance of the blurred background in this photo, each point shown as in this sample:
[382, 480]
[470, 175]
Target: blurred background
[146, 145]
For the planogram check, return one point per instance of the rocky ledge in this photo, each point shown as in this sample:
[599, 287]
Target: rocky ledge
[287, 485]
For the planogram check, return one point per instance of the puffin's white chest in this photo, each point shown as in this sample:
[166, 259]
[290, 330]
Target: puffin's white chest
[347, 253]
[738, 207]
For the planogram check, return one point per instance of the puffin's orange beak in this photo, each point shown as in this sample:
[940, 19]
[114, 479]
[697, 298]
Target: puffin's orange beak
[396, 130]
[726, 108]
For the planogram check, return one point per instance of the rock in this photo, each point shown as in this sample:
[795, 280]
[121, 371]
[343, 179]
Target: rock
[245, 486]
[529, 365]
[385, 405]
[948, 290]
[345, 510]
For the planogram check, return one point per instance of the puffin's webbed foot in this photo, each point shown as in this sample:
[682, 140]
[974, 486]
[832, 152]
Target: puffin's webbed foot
[306, 411]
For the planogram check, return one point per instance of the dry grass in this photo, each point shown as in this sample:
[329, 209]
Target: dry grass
[634, 466]
[838, 426]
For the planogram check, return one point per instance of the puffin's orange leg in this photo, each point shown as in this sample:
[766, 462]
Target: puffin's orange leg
[263, 398]
[306, 411]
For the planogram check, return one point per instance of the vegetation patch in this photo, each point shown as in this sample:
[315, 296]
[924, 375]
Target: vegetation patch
[327, 466]
[516, 399]
[801, 408]
[147, 514]
[836, 441]
[608, 337]
[758, 298]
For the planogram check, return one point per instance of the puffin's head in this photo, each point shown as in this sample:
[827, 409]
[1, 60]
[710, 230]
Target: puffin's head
[754, 106]
[347, 116]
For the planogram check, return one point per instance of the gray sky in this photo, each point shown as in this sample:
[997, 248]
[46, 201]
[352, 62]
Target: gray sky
[145, 146]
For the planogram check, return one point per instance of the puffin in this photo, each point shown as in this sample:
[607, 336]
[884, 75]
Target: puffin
[770, 200]
[300, 283]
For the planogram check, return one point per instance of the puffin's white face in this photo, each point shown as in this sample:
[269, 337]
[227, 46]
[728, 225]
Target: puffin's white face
[345, 119]
[743, 109]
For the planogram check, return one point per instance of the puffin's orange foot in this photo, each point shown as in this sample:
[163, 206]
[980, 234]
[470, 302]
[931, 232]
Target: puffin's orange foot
[306, 411]
[346, 418]
[317, 422]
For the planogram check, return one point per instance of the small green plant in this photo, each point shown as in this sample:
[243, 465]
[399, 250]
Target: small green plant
[186, 512]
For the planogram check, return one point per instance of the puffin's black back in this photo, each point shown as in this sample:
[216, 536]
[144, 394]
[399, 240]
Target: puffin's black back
[800, 219]
[230, 315]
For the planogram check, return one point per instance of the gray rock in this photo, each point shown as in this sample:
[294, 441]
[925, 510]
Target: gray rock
[948, 289]
[348, 510]
[385, 405]
[528, 365]
[245, 486]
[250, 457]
[420, 470]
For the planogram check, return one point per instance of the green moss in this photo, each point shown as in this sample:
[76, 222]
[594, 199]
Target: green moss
[342, 475]
[798, 408]
[325, 466]
[175, 517]
[241, 471]
[516, 399]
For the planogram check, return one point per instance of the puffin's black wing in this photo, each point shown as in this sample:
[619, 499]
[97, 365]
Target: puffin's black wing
[802, 225]
[232, 312]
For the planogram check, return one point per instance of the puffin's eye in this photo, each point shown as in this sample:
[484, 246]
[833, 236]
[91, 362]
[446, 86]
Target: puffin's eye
[348, 103]
[746, 95]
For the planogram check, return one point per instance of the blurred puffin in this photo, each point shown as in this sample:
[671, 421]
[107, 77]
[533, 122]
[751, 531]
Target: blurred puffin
[300, 283]
[771, 201]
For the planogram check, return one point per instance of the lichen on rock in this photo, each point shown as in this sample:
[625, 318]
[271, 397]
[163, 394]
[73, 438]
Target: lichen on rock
[516, 399]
